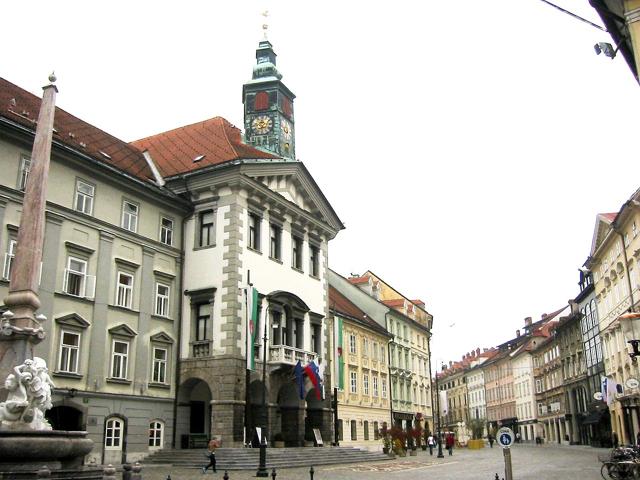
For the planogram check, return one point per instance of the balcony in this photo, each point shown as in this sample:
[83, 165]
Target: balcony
[201, 348]
[290, 355]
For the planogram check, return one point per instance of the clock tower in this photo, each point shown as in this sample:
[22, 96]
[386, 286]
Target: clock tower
[268, 107]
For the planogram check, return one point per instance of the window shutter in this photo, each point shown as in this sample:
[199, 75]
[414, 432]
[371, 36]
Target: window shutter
[65, 279]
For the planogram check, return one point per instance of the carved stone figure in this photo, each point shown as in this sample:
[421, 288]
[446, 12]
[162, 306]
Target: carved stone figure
[29, 388]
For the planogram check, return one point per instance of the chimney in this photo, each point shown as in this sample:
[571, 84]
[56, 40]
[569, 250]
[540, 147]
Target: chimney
[450, 363]
[485, 350]
[574, 307]
[544, 315]
[517, 333]
[527, 322]
[477, 351]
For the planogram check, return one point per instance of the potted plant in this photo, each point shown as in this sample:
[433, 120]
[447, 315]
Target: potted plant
[416, 436]
[399, 438]
[278, 440]
[477, 429]
[385, 436]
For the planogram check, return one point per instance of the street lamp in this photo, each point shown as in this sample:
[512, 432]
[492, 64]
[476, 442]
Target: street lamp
[440, 454]
[262, 467]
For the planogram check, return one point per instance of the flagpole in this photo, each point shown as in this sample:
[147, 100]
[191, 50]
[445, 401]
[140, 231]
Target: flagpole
[247, 375]
[262, 468]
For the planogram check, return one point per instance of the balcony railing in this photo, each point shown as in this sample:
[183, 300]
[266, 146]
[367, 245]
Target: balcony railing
[201, 348]
[290, 355]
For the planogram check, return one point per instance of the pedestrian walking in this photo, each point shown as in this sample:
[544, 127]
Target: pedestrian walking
[431, 442]
[211, 455]
[614, 440]
[490, 441]
[448, 442]
[517, 437]
[638, 439]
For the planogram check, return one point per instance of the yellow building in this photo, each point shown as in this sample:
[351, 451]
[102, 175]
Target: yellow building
[622, 20]
[615, 253]
[361, 373]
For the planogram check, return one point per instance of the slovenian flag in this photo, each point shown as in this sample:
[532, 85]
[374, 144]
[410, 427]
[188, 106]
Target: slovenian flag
[311, 369]
[252, 326]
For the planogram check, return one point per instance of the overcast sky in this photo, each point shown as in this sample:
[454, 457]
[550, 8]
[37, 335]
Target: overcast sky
[467, 146]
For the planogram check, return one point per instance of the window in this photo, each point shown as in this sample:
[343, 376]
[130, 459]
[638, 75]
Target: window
[159, 365]
[365, 346]
[376, 431]
[354, 381]
[275, 243]
[8, 259]
[296, 252]
[206, 228]
[365, 383]
[69, 352]
[84, 197]
[166, 231]
[124, 290]
[25, 168]
[254, 231]
[113, 434]
[354, 430]
[383, 384]
[203, 314]
[119, 359]
[366, 430]
[75, 277]
[314, 262]
[130, 216]
[162, 300]
[156, 434]
[352, 343]
[375, 386]
[340, 430]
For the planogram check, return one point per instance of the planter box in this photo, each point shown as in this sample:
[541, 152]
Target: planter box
[475, 444]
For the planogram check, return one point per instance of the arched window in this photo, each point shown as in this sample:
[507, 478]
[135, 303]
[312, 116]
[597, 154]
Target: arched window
[261, 101]
[113, 433]
[156, 434]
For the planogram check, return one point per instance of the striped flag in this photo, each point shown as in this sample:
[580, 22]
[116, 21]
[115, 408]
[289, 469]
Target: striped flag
[252, 326]
[338, 354]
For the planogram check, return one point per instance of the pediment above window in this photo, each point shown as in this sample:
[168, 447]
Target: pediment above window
[122, 330]
[161, 337]
[73, 320]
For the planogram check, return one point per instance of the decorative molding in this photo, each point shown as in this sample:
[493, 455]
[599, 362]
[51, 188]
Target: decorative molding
[126, 263]
[80, 248]
[161, 337]
[122, 330]
[73, 320]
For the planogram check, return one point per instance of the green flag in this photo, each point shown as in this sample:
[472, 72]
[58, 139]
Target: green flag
[252, 326]
[338, 354]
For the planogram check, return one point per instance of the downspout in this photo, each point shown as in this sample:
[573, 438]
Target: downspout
[389, 362]
[180, 317]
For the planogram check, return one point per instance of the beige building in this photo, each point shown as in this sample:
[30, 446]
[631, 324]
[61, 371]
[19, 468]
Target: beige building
[614, 259]
[622, 20]
[361, 373]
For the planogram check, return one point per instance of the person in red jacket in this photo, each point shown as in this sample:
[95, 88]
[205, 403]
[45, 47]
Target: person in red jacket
[449, 441]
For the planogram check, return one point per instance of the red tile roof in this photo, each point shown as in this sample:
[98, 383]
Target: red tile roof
[341, 304]
[358, 280]
[215, 140]
[22, 107]
[609, 216]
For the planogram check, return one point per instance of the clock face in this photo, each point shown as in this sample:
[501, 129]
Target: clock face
[262, 124]
[286, 130]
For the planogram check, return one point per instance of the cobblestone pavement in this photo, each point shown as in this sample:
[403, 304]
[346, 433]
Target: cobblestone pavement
[529, 463]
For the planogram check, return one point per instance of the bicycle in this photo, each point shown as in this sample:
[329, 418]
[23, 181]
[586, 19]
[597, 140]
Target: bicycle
[623, 463]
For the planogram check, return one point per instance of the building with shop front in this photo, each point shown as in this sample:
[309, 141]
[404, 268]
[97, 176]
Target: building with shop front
[613, 261]
[149, 250]
[360, 373]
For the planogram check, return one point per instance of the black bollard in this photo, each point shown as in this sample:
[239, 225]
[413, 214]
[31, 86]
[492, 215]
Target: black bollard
[273, 474]
[311, 471]
[496, 477]
[126, 471]
[169, 477]
[226, 475]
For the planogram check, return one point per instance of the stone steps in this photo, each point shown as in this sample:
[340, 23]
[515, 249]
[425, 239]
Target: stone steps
[248, 458]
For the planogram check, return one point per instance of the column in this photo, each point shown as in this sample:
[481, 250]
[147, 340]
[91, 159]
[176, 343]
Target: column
[147, 297]
[99, 343]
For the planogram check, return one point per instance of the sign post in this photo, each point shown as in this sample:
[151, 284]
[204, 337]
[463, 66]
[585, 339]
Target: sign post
[505, 440]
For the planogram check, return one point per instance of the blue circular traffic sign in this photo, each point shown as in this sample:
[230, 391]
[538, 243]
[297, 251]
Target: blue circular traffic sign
[505, 437]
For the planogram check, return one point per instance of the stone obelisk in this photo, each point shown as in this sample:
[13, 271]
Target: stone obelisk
[21, 329]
